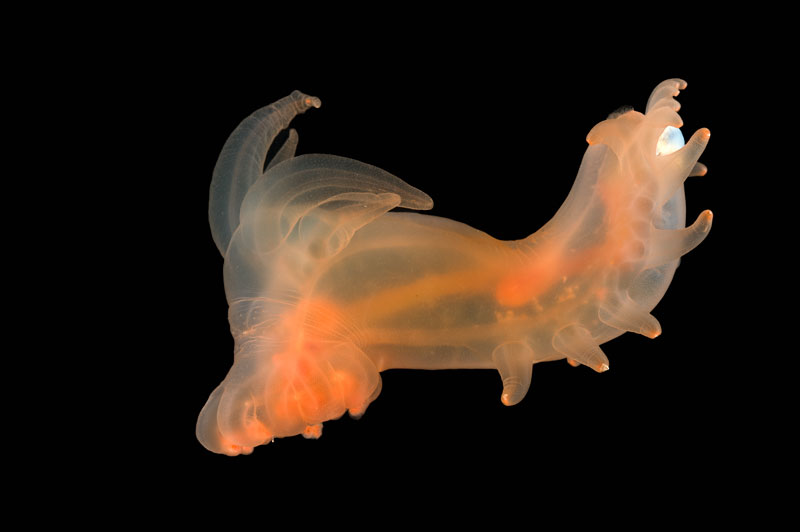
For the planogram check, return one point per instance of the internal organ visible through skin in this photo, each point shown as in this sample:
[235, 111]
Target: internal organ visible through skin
[327, 288]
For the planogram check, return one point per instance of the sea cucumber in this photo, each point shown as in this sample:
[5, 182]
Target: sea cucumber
[327, 288]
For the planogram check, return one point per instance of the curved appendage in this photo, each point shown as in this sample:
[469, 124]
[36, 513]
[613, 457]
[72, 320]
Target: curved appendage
[514, 361]
[241, 162]
[623, 313]
[669, 245]
[677, 166]
[325, 197]
[664, 95]
[576, 343]
[286, 151]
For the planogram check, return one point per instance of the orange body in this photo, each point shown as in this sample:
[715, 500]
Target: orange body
[327, 288]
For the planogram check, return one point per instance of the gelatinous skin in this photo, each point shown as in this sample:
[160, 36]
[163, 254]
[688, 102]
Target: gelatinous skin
[327, 288]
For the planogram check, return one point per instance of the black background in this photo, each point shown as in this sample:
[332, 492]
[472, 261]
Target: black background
[496, 141]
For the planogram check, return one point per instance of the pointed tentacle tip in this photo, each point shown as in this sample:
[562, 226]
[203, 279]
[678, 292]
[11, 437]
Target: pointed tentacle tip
[602, 368]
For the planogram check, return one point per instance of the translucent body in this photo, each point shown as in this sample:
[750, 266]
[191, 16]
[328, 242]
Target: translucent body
[327, 288]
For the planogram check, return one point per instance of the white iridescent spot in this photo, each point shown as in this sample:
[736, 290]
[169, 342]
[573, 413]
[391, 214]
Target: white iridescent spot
[671, 140]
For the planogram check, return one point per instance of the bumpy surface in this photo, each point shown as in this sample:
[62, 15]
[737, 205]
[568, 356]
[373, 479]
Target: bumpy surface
[327, 288]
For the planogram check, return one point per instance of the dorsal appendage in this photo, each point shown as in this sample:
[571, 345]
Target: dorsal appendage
[241, 162]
